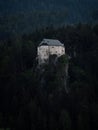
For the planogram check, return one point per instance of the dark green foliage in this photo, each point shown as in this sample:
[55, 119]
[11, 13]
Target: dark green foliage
[33, 97]
[63, 60]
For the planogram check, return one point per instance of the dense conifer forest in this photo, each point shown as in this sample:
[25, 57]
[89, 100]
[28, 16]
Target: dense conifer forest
[33, 99]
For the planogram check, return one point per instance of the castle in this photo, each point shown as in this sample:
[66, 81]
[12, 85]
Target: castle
[49, 47]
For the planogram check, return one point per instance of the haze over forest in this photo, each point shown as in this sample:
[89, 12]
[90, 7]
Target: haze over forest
[25, 16]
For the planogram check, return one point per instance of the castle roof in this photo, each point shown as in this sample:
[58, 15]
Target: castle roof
[51, 42]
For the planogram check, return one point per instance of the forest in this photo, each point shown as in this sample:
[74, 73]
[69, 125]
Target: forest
[30, 103]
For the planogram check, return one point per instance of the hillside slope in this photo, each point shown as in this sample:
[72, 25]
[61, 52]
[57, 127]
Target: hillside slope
[24, 16]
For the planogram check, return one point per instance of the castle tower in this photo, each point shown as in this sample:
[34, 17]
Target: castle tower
[49, 47]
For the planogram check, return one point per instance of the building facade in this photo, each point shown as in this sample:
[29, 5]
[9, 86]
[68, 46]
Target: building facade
[49, 47]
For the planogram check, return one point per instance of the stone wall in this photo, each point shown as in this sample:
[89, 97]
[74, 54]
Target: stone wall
[45, 51]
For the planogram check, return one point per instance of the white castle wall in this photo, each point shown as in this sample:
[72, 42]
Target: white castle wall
[42, 54]
[45, 51]
[58, 50]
